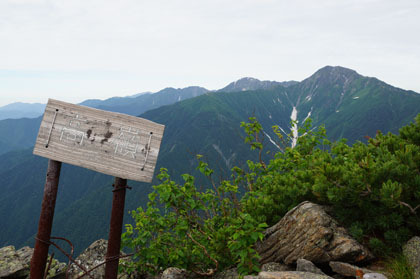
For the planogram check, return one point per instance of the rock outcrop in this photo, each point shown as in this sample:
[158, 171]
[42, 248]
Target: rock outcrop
[299, 246]
[411, 251]
[16, 264]
[374, 276]
[307, 266]
[176, 273]
[348, 270]
[308, 232]
[291, 275]
[272, 266]
[91, 257]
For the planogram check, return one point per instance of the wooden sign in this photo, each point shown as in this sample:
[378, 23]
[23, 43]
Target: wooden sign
[112, 143]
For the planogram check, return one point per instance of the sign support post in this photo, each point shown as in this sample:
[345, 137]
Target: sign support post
[115, 228]
[39, 258]
[120, 145]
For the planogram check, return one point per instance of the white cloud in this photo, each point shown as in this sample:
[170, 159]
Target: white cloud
[154, 44]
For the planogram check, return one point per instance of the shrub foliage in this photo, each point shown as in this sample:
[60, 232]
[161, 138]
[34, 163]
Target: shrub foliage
[202, 231]
[373, 189]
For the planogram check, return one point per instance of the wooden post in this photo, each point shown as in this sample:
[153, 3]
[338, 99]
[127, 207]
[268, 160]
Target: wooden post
[115, 228]
[39, 257]
[112, 143]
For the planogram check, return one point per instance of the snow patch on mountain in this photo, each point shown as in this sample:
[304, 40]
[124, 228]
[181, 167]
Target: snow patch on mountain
[282, 130]
[294, 128]
[309, 115]
[271, 140]
[228, 161]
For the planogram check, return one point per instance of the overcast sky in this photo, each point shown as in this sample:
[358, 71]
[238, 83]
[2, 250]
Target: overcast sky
[74, 50]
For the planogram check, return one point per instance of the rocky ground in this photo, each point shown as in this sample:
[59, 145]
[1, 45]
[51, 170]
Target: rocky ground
[305, 243]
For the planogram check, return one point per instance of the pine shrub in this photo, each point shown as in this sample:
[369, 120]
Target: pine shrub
[373, 188]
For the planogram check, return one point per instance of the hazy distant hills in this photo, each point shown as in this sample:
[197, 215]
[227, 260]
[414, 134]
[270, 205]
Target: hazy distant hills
[132, 105]
[350, 105]
[21, 133]
[21, 110]
[138, 104]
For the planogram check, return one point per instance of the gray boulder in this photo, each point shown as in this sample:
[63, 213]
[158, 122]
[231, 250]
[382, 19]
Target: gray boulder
[94, 256]
[175, 273]
[349, 270]
[308, 232]
[16, 264]
[374, 276]
[411, 251]
[291, 275]
[307, 266]
[272, 266]
[91, 257]
[231, 273]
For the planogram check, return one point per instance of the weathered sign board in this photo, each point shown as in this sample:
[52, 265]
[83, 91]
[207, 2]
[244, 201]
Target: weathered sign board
[112, 143]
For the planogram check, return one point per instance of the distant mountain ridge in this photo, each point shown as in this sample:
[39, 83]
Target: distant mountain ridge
[138, 103]
[348, 104]
[141, 103]
[249, 83]
[132, 105]
[21, 110]
[304, 96]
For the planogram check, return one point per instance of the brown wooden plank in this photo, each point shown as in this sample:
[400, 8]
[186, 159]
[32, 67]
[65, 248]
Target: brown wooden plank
[107, 142]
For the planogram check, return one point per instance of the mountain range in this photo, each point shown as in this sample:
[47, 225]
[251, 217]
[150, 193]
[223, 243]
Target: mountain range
[138, 103]
[21, 110]
[249, 83]
[197, 121]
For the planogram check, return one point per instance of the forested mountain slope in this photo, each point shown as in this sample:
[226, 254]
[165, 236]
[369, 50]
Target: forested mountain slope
[18, 134]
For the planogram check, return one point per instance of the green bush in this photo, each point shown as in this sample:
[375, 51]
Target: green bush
[373, 189]
[202, 231]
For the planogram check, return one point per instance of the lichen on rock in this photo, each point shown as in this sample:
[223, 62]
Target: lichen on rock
[411, 251]
[308, 232]
[16, 264]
